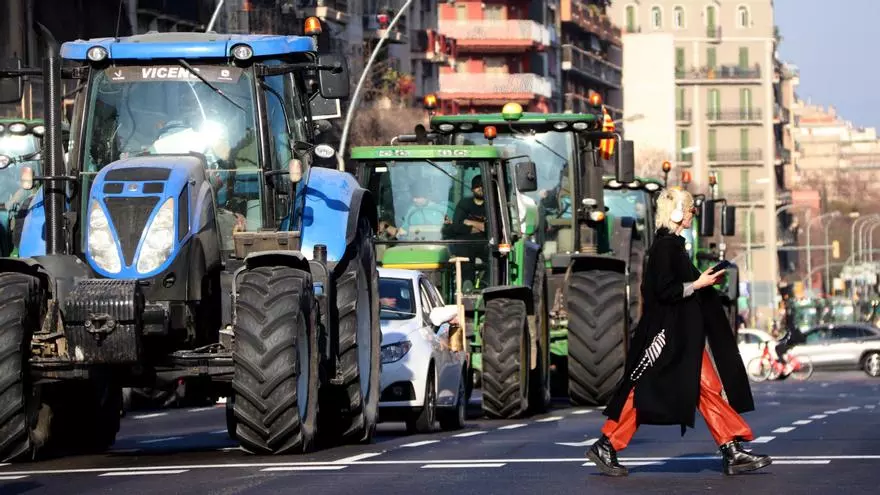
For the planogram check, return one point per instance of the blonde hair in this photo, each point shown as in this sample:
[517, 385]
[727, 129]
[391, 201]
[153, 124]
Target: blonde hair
[666, 203]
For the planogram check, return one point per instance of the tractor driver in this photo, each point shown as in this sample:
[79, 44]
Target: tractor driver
[469, 224]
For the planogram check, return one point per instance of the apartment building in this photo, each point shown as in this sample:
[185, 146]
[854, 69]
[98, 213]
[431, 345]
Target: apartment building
[787, 80]
[725, 110]
[506, 51]
[592, 56]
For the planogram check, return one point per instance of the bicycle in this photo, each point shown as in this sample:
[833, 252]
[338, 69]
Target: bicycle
[765, 367]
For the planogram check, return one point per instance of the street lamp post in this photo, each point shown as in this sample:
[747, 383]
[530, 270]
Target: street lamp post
[871, 242]
[852, 246]
[863, 238]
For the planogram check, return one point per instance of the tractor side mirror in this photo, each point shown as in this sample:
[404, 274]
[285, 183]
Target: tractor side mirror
[11, 88]
[707, 218]
[526, 176]
[334, 83]
[728, 221]
[626, 162]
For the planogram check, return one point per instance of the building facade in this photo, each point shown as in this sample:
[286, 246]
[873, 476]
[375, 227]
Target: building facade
[725, 114]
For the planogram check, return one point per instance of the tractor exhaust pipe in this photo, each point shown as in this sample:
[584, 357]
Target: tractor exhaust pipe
[53, 155]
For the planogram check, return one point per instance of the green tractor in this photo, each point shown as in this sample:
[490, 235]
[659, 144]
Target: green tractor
[588, 251]
[456, 213]
[20, 144]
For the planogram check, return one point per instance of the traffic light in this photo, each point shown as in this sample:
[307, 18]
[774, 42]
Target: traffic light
[835, 249]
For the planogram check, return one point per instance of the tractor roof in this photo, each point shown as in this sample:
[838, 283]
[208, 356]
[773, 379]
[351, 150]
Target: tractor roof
[187, 45]
[433, 152]
[643, 180]
[540, 121]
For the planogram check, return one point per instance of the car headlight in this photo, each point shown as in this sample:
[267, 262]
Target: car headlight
[102, 247]
[159, 239]
[395, 352]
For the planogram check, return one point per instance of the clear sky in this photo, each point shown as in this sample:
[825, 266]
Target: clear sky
[832, 44]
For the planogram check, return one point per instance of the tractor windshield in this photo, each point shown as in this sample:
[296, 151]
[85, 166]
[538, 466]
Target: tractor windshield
[429, 201]
[629, 203]
[164, 109]
[16, 147]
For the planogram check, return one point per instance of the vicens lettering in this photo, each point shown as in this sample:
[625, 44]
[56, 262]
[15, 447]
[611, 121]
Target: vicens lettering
[167, 73]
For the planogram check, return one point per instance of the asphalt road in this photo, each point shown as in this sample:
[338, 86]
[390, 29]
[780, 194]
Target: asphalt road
[824, 436]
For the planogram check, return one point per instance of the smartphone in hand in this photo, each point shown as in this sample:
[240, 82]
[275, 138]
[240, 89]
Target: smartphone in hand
[720, 266]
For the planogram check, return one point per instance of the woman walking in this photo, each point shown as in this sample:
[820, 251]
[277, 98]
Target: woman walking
[669, 372]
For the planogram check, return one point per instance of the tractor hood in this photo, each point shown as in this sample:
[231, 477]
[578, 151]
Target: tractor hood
[142, 210]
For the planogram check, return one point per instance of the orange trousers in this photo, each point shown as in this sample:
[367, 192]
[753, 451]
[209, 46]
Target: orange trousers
[724, 423]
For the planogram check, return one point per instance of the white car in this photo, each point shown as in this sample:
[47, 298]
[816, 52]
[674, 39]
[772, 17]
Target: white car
[749, 341]
[423, 379]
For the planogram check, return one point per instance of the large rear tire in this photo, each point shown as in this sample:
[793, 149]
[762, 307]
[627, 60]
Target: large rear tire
[275, 355]
[636, 271]
[24, 420]
[597, 335]
[506, 341]
[539, 378]
[349, 411]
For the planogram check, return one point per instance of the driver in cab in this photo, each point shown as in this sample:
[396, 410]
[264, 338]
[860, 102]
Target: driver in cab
[469, 221]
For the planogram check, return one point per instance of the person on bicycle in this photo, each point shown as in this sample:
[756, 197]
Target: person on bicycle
[669, 372]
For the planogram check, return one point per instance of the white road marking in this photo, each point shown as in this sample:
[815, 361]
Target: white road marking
[773, 403]
[582, 411]
[870, 406]
[303, 468]
[152, 415]
[465, 465]
[220, 432]
[201, 409]
[633, 463]
[158, 440]
[359, 457]
[145, 472]
[230, 449]
[469, 434]
[802, 422]
[512, 427]
[585, 443]
[843, 395]
[818, 416]
[784, 429]
[419, 444]
[11, 478]
[762, 439]
[4, 464]
[829, 412]
[802, 461]
[548, 420]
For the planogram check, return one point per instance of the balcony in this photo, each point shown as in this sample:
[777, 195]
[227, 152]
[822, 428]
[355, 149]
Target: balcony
[683, 116]
[736, 157]
[498, 36]
[684, 159]
[730, 74]
[428, 44]
[590, 19]
[326, 10]
[590, 66]
[736, 117]
[495, 87]
[375, 27]
[743, 197]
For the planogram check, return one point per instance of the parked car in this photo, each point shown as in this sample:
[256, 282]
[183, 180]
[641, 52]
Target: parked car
[843, 346]
[423, 378]
[749, 341]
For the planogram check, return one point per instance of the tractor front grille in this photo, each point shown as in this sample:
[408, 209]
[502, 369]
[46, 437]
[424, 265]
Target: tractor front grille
[129, 217]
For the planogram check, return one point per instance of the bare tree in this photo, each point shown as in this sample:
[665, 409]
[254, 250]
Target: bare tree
[649, 162]
[387, 109]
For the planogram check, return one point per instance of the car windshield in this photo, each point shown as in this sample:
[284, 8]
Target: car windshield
[16, 146]
[396, 299]
[429, 200]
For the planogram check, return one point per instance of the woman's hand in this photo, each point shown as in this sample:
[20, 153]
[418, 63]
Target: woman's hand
[708, 279]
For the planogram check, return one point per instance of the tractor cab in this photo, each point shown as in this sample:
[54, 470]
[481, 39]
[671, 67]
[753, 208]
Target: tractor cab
[20, 144]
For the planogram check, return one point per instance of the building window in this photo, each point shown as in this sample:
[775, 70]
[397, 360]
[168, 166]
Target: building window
[744, 144]
[714, 104]
[684, 142]
[744, 184]
[710, 22]
[496, 65]
[679, 62]
[713, 145]
[678, 17]
[630, 20]
[742, 16]
[744, 57]
[711, 57]
[745, 103]
[494, 12]
[656, 17]
[461, 12]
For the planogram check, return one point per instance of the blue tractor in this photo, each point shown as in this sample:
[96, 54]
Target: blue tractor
[188, 235]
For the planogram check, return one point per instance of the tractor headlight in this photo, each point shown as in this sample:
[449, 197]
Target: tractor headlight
[395, 352]
[159, 239]
[102, 247]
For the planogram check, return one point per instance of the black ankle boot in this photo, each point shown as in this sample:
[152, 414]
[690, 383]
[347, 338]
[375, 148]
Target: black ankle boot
[736, 460]
[602, 453]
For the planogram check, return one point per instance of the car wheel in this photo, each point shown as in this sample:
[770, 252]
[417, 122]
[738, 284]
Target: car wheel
[871, 364]
[423, 420]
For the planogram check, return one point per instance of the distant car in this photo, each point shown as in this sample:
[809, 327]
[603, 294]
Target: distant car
[423, 380]
[749, 341]
[843, 346]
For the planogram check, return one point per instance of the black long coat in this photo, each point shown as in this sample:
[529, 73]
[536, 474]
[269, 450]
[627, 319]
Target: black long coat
[667, 391]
